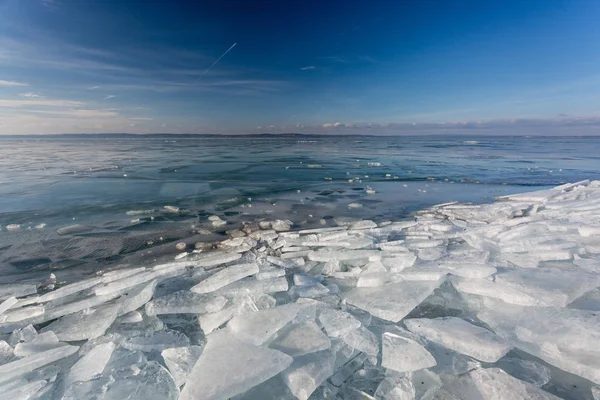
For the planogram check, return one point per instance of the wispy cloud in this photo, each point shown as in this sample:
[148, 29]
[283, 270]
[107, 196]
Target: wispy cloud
[93, 87]
[308, 68]
[12, 83]
[31, 95]
[110, 96]
[39, 103]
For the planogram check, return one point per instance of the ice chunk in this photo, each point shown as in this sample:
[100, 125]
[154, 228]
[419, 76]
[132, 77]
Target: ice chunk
[307, 373]
[181, 302]
[87, 324]
[392, 301]
[469, 270]
[136, 298]
[210, 322]
[251, 285]
[270, 272]
[495, 384]
[550, 286]
[24, 391]
[7, 304]
[364, 224]
[17, 368]
[180, 361]
[229, 366]
[362, 340]
[42, 342]
[483, 287]
[17, 290]
[398, 261]
[216, 258]
[461, 336]
[131, 317]
[159, 341]
[70, 289]
[337, 323]
[374, 279]
[526, 370]
[548, 333]
[404, 355]
[225, 277]
[395, 388]
[23, 313]
[258, 327]
[309, 291]
[25, 334]
[92, 363]
[341, 255]
[300, 339]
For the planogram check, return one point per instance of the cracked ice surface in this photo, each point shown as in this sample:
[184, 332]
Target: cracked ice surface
[474, 302]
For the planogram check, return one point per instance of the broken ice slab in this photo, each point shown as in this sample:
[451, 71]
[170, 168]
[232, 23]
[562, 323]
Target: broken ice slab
[136, 297]
[23, 313]
[156, 341]
[269, 272]
[88, 324]
[181, 302]
[392, 301]
[211, 321]
[24, 391]
[309, 291]
[91, 364]
[216, 258]
[362, 339]
[42, 342]
[550, 286]
[180, 361]
[7, 304]
[549, 333]
[421, 274]
[341, 255]
[70, 289]
[146, 381]
[6, 352]
[526, 370]
[225, 277]
[395, 387]
[22, 366]
[229, 366]
[322, 230]
[337, 322]
[300, 339]
[308, 372]
[461, 336]
[17, 290]
[404, 355]
[251, 285]
[238, 245]
[258, 327]
[374, 279]
[483, 287]
[398, 261]
[131, 318]
[469, 270]
[494, 383]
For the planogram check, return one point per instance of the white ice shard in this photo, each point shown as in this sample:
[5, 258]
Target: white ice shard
[17, 290]
[181, 302]
[251, 285]
[6, 352]
[392, 301]
[565, 338]
[15, 369]
[229, 366]
[91, 364]
[22, 314]
[307, 373]
[7, 304]
[136, 297]
[483, 287]
[216, 258]
[180, 361]
[24, 391]
[362, 339]
[337, 322]
[156, 341]
[83, 325]
[398, 261]
[258, 327]
[393, 387]
[211, 321]
[300, 339]
[225, 277]
[42, 342]
[270, 272]
[461, 336]
[469, 270]
[403, 354]
[495, 384]
[550, 286]
[341, 255]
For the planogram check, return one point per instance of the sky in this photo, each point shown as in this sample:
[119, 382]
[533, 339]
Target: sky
[284, 66]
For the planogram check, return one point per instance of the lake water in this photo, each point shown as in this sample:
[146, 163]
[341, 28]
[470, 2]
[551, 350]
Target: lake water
[90, 184]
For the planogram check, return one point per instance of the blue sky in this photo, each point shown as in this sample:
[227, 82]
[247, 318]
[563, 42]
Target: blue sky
[338, 66]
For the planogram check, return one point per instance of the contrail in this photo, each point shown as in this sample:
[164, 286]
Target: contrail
[218, 59]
